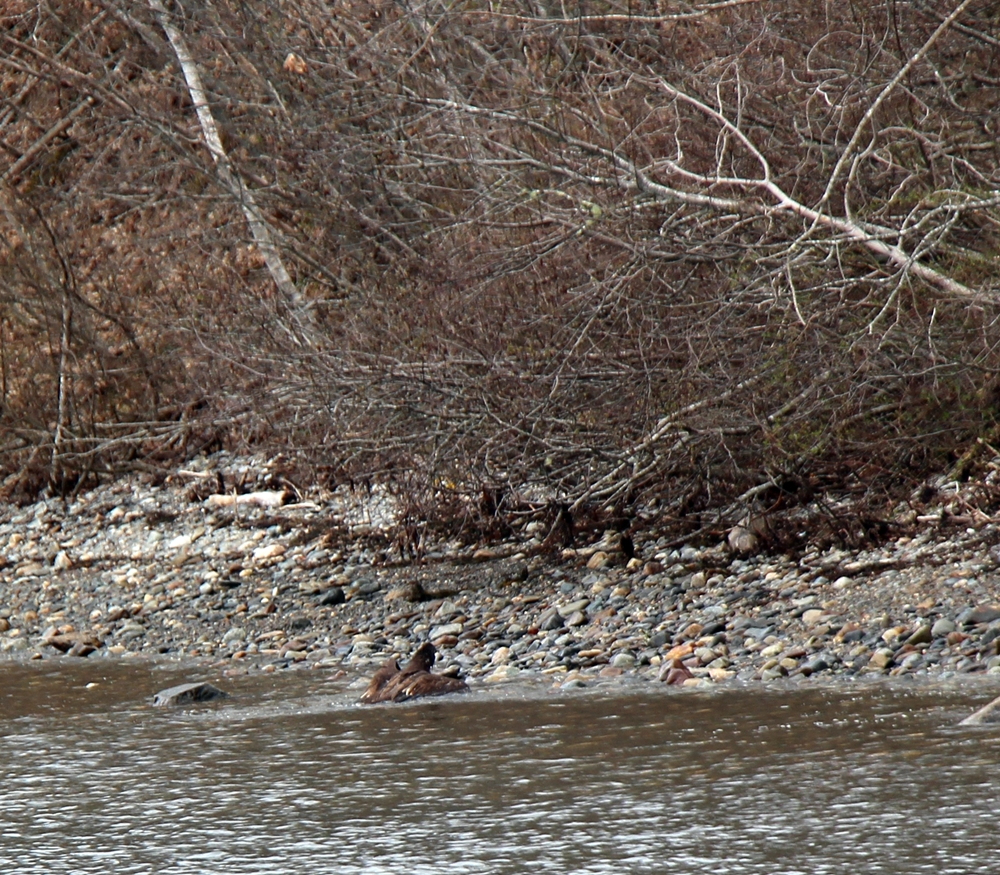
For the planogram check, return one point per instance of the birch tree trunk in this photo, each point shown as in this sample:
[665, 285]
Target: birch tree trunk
[230, 177]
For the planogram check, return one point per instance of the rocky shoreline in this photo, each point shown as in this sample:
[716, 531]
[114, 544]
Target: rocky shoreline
[259, 583]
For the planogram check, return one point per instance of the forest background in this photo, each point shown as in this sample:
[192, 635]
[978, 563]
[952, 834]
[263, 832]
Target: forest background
[683, 263]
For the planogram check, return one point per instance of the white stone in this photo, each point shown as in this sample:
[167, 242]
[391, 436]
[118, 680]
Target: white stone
[500, 656]
[271, 551]
[446, 629]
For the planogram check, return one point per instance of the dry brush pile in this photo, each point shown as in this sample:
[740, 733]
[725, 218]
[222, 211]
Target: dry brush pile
[597, 255]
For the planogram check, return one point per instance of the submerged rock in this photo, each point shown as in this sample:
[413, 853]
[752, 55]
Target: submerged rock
[987, 714]
[184, 694]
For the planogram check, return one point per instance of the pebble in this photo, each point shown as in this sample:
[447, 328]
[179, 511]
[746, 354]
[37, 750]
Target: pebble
[270, 551]
[979, 615]
[812, 617]
[572, 608]
[500, 656]
[623, 660]
[550, 620]
[924, 634]
[882, 658]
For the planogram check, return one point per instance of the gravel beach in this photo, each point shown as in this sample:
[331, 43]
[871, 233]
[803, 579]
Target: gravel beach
[253, 584]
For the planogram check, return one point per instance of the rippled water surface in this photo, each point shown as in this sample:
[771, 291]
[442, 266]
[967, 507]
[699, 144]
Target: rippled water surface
[288, 776]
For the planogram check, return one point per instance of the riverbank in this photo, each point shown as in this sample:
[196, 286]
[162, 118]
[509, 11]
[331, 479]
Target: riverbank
[138, 567]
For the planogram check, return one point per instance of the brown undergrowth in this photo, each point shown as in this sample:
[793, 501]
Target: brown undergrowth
[577, 267]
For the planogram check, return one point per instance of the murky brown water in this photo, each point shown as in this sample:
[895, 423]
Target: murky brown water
[289, 777]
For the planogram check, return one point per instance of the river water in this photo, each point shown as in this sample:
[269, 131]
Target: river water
[289, 776]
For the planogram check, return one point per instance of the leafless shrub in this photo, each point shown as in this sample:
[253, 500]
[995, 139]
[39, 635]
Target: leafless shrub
[566, 255]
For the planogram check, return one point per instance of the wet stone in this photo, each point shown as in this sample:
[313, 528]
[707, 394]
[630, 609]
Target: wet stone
[184, 694]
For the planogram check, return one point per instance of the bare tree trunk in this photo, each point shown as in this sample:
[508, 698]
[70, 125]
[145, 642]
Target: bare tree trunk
[62, 420]
[230, 177]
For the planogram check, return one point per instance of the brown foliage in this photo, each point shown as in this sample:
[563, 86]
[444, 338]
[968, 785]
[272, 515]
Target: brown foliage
[604, 257]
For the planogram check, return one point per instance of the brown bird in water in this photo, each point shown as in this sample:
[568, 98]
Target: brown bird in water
[379, 680]
[413, 680]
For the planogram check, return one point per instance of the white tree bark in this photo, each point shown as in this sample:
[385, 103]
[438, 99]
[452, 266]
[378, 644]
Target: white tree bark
[259, 226]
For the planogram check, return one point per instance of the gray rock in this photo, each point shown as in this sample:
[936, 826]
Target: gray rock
[911, 662]
[573, 607]
[550, 620]
[742, 541]
[130, 631]
[364, 586]
[574, 684]
[942, 627]
[882, 658]
[705, 655]
[981, 614]
[658, 639]
[446, 629]
[922, 635]
[991, 634]
[333, 596]
[812, 666]
[623, 660]
[854, 636]
[184, 694]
